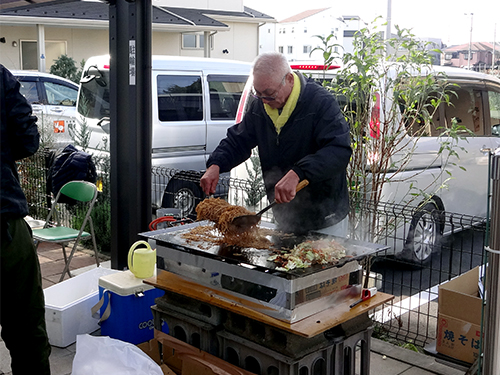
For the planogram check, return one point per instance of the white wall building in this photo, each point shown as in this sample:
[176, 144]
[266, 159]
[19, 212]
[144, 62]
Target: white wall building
[267, 37]
[296, 35]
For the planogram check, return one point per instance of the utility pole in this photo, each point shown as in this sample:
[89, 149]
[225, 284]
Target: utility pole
[494, 45]
[388, 26]
[470, 41]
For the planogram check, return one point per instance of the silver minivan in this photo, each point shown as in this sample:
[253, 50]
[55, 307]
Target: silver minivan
[194, 101]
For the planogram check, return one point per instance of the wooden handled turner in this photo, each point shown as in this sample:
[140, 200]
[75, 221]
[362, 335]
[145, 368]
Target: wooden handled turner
[245, 222]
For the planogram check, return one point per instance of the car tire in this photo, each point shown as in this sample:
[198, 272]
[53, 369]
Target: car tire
[183, 195]
[425, 234]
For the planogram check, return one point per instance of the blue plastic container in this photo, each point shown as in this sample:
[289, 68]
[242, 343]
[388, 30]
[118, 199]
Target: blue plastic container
[127, 301]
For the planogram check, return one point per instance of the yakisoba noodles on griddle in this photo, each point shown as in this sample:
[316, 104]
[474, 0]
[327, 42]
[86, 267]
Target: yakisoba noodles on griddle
[222, 214]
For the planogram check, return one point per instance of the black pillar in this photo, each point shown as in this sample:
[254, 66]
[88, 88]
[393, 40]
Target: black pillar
[130, 128]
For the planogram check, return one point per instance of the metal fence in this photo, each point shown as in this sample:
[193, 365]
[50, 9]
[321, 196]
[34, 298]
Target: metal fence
[410, 318]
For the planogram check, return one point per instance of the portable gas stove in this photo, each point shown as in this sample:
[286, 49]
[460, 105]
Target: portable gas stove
[246, 273]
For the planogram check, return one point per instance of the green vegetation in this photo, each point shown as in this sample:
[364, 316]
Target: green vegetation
[390, 98]
[65, 67]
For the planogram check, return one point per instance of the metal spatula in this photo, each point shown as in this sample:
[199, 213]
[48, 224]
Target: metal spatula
[243, 223]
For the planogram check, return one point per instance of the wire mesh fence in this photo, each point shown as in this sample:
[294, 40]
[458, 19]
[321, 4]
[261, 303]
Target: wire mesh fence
[425, 248]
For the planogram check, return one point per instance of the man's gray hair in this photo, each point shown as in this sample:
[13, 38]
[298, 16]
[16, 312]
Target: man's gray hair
[271, 64]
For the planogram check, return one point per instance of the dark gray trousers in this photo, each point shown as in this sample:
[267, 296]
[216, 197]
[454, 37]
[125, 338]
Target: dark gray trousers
[22, 306]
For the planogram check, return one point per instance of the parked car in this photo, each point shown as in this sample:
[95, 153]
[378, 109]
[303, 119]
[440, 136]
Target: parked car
[53, 100]
[194, 101]
[476, 106]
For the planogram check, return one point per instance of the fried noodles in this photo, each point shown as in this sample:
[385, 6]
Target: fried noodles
[222, 214]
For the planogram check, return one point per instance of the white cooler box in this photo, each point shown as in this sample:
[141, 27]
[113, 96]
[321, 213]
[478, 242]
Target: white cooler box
[68, 306]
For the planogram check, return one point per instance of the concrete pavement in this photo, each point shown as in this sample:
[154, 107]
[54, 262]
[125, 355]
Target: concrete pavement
[385, 358]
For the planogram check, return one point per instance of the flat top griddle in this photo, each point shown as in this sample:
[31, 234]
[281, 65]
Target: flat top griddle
[258, 258]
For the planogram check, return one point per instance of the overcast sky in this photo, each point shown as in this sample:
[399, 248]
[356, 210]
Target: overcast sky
[449, 20]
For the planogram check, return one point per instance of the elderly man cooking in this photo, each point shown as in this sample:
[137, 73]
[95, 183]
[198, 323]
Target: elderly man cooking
[301, 134]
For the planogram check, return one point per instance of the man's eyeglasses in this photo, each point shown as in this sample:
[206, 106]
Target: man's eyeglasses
[268, 98]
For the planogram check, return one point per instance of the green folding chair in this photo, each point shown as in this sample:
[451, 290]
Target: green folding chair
[81, 191]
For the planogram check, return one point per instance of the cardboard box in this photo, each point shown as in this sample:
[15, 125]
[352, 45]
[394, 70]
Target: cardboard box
[68, 306]
[180, 358]
[459, 317]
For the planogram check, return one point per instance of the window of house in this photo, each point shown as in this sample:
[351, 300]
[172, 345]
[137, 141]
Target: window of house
[195, 41]
[280, 49]
[29, 53]
[305, 30]
[293, 30]
[307, 49]
[448, 56]
[189, 40]
[290, 49]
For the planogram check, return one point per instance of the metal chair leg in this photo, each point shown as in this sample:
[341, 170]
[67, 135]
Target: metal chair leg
[94, 241]
[68, 261]
[65, 258]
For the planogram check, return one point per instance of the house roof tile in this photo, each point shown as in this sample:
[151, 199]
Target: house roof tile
[475, 47]
[97, 10]
[301, 16]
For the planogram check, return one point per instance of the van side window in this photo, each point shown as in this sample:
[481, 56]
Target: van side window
[467, 110]
[29, 90]
[225, 94]
[58, 94]
[179, 98]
[94, 98]
[494, 101]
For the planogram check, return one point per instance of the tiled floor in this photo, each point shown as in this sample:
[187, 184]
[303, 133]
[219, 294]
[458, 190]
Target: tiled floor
[52, 261]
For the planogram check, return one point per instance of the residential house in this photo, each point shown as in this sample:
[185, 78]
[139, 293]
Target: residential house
[481, 55]
[296, 36]
[79, 29]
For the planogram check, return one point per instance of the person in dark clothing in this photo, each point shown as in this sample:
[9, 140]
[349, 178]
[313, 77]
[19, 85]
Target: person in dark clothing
[22, 309]
[301, 134]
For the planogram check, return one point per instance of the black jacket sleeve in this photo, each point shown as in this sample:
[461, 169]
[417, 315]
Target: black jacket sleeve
[236, 147]
[22, 137]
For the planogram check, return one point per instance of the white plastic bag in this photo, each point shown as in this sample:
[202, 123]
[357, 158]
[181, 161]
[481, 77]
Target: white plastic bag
[101, 355]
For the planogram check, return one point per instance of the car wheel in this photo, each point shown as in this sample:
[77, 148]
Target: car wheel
[424, 235]
[183, 195]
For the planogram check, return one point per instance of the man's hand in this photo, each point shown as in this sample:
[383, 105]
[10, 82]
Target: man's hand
[284, 191]
[209, 180]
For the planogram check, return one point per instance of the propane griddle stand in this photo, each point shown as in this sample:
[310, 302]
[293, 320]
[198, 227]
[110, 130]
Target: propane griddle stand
[324, 343]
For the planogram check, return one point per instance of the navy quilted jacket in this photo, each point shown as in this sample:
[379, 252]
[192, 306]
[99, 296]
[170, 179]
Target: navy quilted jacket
[315, 143]
[19, 139]
[70, 164]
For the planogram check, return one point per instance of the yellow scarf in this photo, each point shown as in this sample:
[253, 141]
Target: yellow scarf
[279, 120]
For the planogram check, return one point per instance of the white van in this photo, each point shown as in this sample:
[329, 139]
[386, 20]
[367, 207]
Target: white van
[53, 100]
[476, 106]
[194, 101]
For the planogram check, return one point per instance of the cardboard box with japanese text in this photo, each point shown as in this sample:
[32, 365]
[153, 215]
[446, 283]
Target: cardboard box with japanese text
[459, 317]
